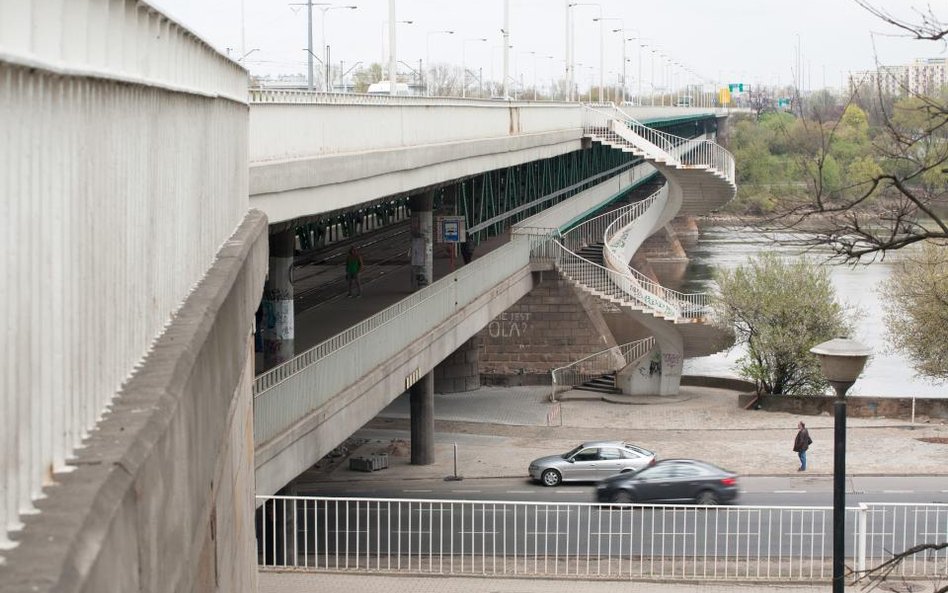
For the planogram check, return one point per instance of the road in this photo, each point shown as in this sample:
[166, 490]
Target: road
[755, 490]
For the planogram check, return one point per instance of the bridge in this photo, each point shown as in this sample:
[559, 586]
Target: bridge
[153, 204]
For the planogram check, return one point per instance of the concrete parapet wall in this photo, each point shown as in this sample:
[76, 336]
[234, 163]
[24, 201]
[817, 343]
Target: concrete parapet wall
[121, 180]
[160, 497]
[856, 407]
[718, 382]
[281, 131]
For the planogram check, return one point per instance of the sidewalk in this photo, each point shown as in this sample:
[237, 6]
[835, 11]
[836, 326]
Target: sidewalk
[296, 582]
[499, 430]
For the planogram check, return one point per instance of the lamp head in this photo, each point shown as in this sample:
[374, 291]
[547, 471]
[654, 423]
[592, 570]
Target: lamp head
[841, 361]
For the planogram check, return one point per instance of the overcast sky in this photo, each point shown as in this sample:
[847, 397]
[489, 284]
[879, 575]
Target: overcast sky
[752, 41]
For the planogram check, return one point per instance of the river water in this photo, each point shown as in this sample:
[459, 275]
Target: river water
[887, 373]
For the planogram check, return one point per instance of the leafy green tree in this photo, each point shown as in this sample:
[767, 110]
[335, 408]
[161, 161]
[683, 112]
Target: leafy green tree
[916, 309]
[364, 77]
[779, 309]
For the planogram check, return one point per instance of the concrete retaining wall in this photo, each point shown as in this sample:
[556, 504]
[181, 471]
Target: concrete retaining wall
[856, 407]
[550, 327]
[161, 495]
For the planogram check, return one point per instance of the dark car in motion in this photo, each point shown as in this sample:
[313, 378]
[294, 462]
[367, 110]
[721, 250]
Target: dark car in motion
[671, 481]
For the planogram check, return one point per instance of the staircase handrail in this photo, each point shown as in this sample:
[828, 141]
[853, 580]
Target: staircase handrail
[658, 145]
[628, 353]
[687, 305]
[709, 153]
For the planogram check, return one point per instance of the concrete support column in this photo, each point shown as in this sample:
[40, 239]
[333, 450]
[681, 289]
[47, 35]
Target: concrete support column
[277, 320]
[422, 259]
[421, 399]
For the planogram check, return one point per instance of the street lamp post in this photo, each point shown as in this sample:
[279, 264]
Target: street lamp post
[391, 24]
[841, 361]
[428, 56]
[464, 63]
[602, 20]
[309, 4]
[324, 9]
[601, 44]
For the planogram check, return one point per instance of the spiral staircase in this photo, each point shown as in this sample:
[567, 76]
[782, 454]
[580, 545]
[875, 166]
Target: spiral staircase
[595, 256]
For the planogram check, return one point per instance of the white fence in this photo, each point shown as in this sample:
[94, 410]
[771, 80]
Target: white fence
[587, 540]
[123, 169]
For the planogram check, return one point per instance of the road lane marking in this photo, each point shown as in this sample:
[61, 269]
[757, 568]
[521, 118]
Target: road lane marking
[520, 492]
[898, 492]
[416, 490]
[570, 492]
[789, 491]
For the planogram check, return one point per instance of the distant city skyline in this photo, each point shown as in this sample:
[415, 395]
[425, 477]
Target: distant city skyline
[750, 41]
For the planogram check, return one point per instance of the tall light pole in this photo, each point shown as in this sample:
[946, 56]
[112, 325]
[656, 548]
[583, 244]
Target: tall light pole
[506, 32]
[520, 71]
[428, 56]
[392, 59]
[309, 4]
[841, 361]
[464, 63]
[602, 20]
[568, 95]
[550, 69]
[602, 53]
[325, 46]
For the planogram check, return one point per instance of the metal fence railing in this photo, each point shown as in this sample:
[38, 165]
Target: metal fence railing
[588, 540]
[600, 363]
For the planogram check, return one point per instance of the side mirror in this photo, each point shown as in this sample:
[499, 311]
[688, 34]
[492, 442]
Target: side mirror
[571, 460]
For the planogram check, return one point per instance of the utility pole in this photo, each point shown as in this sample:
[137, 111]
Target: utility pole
[506, 32]
[391, 47]
[568, 91]
[309, 44]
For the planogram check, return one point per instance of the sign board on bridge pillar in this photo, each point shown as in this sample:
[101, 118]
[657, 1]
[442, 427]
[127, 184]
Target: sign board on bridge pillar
[451, 229]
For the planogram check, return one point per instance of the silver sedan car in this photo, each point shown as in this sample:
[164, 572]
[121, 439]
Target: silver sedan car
[589, 462]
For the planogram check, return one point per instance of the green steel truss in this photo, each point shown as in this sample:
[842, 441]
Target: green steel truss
[495, 200]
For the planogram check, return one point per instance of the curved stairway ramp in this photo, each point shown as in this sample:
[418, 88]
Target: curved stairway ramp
[594, 366]
[700, 176]
[701, 169]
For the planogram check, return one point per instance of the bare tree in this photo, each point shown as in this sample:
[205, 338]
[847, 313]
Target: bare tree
[901, 201]
[926, 26]
[885, 572]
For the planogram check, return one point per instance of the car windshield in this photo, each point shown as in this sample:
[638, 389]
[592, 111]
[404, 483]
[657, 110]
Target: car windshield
[572, 452]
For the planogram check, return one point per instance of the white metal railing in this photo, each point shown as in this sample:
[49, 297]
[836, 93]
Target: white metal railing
[124, 170]
[596, 365]
[618, 281]
[618, 251]
[285, 394]
[587, 540]
[264, 95]
[610, 124]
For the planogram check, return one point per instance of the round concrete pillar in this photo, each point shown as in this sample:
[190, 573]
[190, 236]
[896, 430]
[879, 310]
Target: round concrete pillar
[421, 403]
[422, 257]
[277, 308]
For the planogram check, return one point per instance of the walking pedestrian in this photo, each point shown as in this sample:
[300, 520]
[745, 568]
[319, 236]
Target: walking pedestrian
[801, 444]
[353, 268]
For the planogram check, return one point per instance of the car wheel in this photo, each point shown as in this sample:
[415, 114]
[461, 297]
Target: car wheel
[707, 498]
[622, 497]
[551, 477]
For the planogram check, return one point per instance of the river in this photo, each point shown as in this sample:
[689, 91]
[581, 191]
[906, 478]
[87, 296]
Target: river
[887, 373]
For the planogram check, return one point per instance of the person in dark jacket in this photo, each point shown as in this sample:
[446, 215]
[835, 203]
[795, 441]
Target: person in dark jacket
[801, 444]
